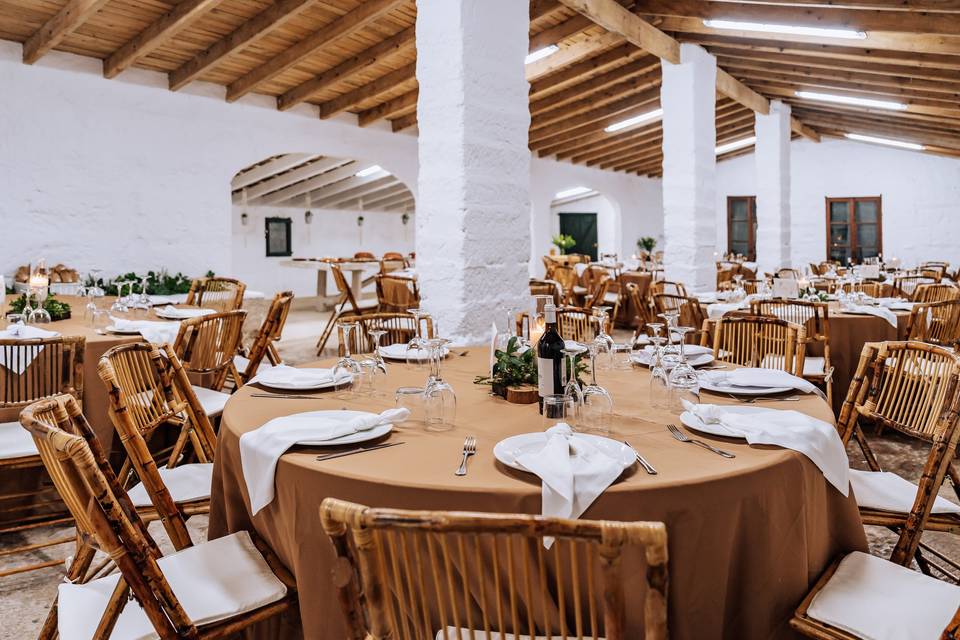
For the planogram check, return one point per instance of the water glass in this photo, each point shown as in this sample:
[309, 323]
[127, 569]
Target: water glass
[412, 399]
[100, 321]
[620, 356]
[558, 408]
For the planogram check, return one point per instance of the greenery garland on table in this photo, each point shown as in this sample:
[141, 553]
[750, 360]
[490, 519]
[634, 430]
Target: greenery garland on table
[159, 283]
[515, 368]
[57, 310]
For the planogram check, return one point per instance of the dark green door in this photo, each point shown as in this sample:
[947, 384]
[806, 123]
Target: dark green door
[583, 228]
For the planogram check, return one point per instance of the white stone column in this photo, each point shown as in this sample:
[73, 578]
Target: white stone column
[772, 156]
[688, 97]
[473, 210]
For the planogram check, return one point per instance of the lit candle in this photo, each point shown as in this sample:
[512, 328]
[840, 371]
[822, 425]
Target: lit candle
[39, 281]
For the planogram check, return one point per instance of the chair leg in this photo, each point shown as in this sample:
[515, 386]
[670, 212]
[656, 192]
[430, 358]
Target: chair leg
[954, 478]
[872, 461]
[76, 573]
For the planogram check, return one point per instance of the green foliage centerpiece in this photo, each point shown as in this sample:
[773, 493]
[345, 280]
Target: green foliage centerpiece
[563, 242]
[58, 310]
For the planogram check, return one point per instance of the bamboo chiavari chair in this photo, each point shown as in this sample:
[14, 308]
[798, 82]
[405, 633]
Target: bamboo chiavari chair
[567, 277]
[941, 292]
[141, 594]
[814, 317]
[788, 273]
[641, 304]
[206, 346]
[364, 255]
[264, 343]
[27, 500]
[760, 341]
[906, 286]
[415, 573]
[347, 297]
[936, 323]
[872, 289]
[911, 387]
[397, 293]
[691, 314]
[220, 294]
[666, 286]
[400, 328]
[547, 288]
[150, 393]
[598, 294]
[389, 265]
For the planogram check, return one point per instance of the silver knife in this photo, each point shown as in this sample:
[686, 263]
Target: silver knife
[643, 462]
[340, 454]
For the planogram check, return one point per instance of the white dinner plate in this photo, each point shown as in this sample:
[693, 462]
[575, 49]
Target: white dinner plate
[509, 449]
[708, 385]
[122, 332]
[182, 314]
[353, 438]
[399, 352]
[694, 422]
[644, 358]
[342, 378]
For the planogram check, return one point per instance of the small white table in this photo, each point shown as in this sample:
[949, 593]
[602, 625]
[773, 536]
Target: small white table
[355, 269]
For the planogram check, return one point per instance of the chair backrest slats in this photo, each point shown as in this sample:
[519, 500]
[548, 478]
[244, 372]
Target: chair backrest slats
[219, 294]
[270, 331]
[760, 341]
[400, 328]
[936, 323]
[207, 344]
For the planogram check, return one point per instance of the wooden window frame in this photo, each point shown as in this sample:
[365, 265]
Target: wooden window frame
[852, 224]
[751, 225]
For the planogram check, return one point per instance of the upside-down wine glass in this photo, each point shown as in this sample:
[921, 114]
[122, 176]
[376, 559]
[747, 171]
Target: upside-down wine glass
[683, 381]
[374, 362]
[440, 399]
[119, 305]
[347, 363]
[671, 352]
[597, 405]
[659, 384]
[418, 351]
[571, 387]
[603, 339]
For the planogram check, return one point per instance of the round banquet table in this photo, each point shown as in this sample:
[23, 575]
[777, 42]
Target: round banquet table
[747, 537]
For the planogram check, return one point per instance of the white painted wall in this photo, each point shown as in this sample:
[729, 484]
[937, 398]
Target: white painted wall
[331, 233]
[921, 197]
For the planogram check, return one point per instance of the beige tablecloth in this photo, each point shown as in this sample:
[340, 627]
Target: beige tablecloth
[747, 537]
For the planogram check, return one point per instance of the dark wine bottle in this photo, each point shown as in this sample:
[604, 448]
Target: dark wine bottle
[549, 357]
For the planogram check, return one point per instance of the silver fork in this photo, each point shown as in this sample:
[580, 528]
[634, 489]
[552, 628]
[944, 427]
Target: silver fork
[682, 437]
[469, 448]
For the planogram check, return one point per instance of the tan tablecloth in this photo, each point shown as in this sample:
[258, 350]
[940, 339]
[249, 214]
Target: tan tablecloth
[747, 537]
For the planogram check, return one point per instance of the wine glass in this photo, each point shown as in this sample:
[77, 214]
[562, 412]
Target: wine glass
[27, 309]
[603, 339]
[571, 387]
[119, 305]
[671, 352]
[374, 364]
[683, 381]
[440, 399]
[417, 348]
[347, 363]
[597, 405]
[659, 384]
[96, 290]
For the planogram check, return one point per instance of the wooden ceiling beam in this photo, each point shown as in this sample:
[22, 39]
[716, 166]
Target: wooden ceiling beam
[598, 100]
[571, 53]
[351, 187]
[934, 149]
[884, 114]
[805, 131]
[283, 180]
[345, 25]
[389, 194]
[600, 117]
[542, 8]
[311, 184]
[615, 19]
[619, 77]
[59, 26]
[402, 41]
[736, 90]
[404, 122]
[270, 168]
[370, 90]
[274, 16]
[389, 108]
[856, 19]
[578, 70]
[562, 31]
[941, 6]
[614, 143]
[828, 115]
[912, 107]
[915, 101]
[592, 132]
[863, 125]
[156, 35]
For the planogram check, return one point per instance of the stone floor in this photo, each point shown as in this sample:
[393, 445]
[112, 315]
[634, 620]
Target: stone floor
[26, 598]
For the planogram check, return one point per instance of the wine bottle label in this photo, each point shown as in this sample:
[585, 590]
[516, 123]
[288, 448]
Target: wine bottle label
[545, 382]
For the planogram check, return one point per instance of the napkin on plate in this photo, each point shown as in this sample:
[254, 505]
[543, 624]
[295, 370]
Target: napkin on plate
[154, 332]
[23, 332]
[156, 300]
[260, 449]
[573, 470]
[287, 375]
[880, 312]
[816, 439]
[689, 350]
[895, 304]
[755, 377]
[171, 311]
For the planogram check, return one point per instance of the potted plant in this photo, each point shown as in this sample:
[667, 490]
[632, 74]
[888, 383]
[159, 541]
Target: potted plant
[646, 244]
[563, 242]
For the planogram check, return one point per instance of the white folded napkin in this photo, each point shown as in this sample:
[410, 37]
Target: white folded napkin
[756, 377]
[718, 309]
[880, 312]
[896, 304]
[260, 449]
[23, 332]
[153, 332]
[816, 439]
[177, 298]
[286, 375]
[574, 473]
[171, 311]
[689, 350]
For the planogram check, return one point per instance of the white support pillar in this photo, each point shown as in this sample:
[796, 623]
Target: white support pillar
[688, 97]
[473, 209]
[772, 156]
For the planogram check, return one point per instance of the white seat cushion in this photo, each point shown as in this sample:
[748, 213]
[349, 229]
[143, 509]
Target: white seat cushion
[580, 291]
[185, 483]
[242, 363]
[211, 401]
[875, 599]
[611, 297]
[467, 634]
[16, 442]
[889, 492]
[814, 366]
[213, 581]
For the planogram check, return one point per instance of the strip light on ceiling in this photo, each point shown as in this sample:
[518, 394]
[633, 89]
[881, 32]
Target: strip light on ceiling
[540, 54]
[859, 102]
[656, 114]
[913, 146]
[369, 171]
[736, 144]
[789, 29]
[571, 192]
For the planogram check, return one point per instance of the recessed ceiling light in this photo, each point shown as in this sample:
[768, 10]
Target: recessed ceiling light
[860, 102]
[573, 191]
[736, 144]
[369, 171]
[540, 54]
[848, 34]
[913, 146]
[629, 122]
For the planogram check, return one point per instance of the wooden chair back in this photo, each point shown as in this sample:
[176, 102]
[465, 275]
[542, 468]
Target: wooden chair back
[906, 286]
[50, 366]
[397, 294]
[400, 328]
[941, 292]
[936, 323]
[578, 324]
[872, 289]
[364, 255]
[394, 255]
[788, 273]
[389, 265]
[911, 387]
[641, 306]
[691, 313]
[416, 572]
[566, 275]
[149, 389]
[206, 345]
[220, 294]
[814, 317]
[549, 264]
[597, 295]
[760, 341]
[346, 291]
[270, 332]
[547, 288]
[666, 286]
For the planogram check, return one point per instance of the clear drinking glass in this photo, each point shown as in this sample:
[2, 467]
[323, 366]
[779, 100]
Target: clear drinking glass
[571, 387]
[659, 385]
[440, 399]
[417, 349]
[120, 304]
[683, 381]
[412, 399]
[604, 340]
[558, 408]
[347, 363]
[620, 356]
[597, 408]
[671, 352]
[100, 321]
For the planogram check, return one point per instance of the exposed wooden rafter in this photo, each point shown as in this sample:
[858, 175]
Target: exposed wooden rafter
[63, 23]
